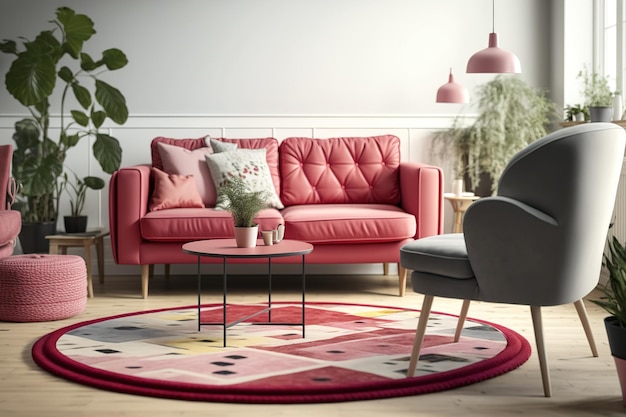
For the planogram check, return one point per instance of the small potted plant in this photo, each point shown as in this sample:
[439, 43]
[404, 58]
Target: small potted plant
[598, 95]
[614, 302]
[244, 205]
[76, 222]
[576, 113]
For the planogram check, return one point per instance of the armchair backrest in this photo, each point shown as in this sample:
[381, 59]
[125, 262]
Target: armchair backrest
[554, 200]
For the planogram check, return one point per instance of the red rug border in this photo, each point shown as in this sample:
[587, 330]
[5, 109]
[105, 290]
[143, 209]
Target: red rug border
[46, 356]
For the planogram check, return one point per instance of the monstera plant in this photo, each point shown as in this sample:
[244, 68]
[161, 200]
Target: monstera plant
[55, 66]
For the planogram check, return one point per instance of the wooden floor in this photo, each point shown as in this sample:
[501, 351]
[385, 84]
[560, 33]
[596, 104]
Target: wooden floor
[582, 385]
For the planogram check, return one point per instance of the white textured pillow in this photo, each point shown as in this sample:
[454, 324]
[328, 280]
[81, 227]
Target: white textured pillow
[180, 161]
[250, 165]
[219, 146]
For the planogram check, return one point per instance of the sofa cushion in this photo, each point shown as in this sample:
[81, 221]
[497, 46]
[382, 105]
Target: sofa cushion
[354, 170]
[182, 161]
[174, 191]
[187, 224]
[248, 164]
[270, 144]
[348, 223]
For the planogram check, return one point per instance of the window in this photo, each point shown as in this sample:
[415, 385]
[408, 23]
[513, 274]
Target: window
[610, 45]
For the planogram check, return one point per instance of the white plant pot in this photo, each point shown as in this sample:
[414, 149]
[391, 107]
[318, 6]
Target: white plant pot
[246, 236]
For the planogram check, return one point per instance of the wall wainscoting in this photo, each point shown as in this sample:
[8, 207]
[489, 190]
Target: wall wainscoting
[414, 131]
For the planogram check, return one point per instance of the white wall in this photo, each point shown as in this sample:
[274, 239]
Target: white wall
[250, 68]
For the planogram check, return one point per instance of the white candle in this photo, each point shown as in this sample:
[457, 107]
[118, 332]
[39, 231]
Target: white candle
[457, 187]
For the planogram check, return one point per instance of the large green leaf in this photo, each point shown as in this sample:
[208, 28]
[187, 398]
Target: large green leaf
[97, 118]
[26, 134]
[114, 59]
[86, 62]
[94, 183]
[39, 178]
[31, 79]
[80, 118]
[112, 101]
[66, 74]
[108, 152]
[82, 95]
[77, 27]
[8, 47]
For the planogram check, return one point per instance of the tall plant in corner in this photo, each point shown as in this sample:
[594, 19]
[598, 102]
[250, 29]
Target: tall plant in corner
[55, 62]
[512, 114]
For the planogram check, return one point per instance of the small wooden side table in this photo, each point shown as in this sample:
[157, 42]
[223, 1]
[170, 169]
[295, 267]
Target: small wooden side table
[460, 203]
[85, 240]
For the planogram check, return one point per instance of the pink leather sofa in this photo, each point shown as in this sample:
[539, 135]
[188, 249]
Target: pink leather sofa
[352, 198]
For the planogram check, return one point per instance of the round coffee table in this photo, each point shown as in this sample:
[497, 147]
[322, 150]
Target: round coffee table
[227, 249]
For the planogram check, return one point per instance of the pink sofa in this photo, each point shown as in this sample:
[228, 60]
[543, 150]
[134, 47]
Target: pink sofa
[352, 198]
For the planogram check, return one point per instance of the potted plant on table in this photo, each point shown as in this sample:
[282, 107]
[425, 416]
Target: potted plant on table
[57, 58]
[614, 302]
[244, 205]
[598, 95]
[511, 115]
[576, 113]
[76, 222]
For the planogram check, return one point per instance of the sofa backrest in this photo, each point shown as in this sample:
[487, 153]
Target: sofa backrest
[340, 170]
[270, 144]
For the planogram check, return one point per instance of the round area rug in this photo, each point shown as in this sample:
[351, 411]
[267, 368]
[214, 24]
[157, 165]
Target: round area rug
[350, 352]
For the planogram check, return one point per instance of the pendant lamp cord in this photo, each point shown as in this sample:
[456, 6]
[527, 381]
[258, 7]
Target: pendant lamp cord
[493, 16]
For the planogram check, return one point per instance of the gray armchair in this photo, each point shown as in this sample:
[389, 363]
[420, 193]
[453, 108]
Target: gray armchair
[538, 242]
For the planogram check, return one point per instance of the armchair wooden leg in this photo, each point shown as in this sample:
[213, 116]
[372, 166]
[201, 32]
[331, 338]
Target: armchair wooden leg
[535, 312]
[462, 317]
[402, 274]
[386, 268]
[145, 277]
[419, 334]
[584, 319]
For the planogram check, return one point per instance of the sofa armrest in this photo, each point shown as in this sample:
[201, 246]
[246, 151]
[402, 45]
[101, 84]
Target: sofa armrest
[129, 193]
[421, 188]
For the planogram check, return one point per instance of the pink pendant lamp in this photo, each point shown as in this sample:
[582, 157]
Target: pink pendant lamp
[452, 92]
[494, 59]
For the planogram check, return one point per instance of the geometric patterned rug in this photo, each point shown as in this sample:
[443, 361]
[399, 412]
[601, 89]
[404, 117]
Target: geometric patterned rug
[350, 352]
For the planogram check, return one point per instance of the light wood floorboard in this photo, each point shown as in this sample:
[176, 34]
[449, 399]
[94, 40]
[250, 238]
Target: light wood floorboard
[582, 385]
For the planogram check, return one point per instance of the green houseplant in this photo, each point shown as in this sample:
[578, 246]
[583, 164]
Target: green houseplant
[76, 222]
[511, 115]
[55, 65]
[597, 94]
[244, 205]
[613, 301]
[576, 113]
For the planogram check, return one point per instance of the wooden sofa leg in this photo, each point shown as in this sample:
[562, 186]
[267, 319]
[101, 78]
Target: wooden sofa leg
[145, 277]
[386, 268]
[402, 274]
[167, 271]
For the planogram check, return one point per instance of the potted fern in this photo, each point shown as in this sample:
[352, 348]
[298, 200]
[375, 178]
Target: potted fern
[76, 222]
[598, 95]
[613, 302]
[56, 66]
[244, 205]
[512, 114]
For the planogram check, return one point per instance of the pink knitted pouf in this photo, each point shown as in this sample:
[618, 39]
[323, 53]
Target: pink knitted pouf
[38, 287]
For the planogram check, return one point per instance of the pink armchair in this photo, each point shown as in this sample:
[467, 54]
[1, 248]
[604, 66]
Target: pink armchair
[10, 220]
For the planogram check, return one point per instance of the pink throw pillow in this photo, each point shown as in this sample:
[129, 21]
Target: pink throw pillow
[174, 191]
[182, 161]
